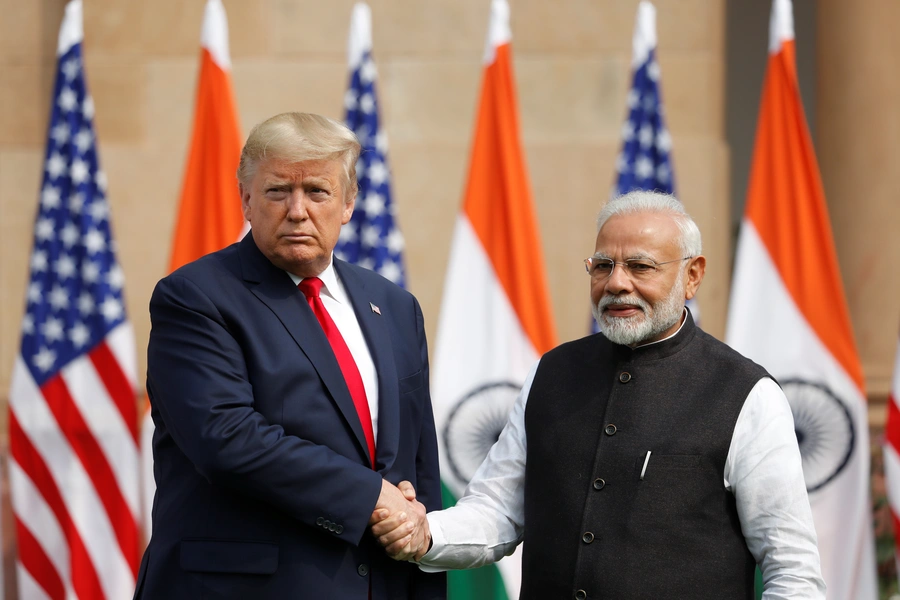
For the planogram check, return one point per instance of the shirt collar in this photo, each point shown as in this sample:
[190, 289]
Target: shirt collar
[331, 284]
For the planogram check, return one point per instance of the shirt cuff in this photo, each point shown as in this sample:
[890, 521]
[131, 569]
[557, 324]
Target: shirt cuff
[438, 542]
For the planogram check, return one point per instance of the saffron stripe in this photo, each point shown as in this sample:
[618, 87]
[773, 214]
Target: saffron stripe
[786, 203]
[498, 192]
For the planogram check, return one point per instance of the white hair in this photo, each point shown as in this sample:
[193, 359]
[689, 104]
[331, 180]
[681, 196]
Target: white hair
[656, 202]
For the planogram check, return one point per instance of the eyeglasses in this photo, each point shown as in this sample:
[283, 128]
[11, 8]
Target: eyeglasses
[639, 269]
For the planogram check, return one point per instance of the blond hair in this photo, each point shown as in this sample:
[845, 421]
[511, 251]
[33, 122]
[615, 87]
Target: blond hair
[295, 137]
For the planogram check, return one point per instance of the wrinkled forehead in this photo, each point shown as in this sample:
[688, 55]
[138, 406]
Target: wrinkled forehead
[281, 169]
[638, 235]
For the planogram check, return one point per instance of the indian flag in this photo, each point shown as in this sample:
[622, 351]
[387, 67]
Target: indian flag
[788, 313]
[495, 317]
[209, 216]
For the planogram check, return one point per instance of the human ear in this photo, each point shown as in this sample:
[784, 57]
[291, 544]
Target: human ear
[696, 269]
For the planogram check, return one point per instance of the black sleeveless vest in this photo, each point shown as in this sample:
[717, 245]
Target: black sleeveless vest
[593, 527]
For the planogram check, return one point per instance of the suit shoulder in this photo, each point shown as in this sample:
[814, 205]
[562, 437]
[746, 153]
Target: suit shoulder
[208, 267]
[214, 276]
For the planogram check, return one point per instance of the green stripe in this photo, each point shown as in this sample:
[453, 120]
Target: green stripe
[483, 583]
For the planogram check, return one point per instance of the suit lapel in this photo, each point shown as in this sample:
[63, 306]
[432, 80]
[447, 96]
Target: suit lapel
[276, 290]
[378, 337]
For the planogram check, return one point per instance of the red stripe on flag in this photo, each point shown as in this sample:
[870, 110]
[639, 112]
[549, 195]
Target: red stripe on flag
[117, 384]
[84, 576]
[94, 461]
[896, 523]
[892, 436]
[892, 428]
[37, 563]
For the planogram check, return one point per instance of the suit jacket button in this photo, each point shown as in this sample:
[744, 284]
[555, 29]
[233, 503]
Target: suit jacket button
[610, 429]
[581, 595]
[363, 570]
[320, 520]
[625, 377]
[599, 483]
[588, 537]
[331, 527]
[339, 529]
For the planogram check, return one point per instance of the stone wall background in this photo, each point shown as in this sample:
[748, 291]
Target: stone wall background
[572, 62]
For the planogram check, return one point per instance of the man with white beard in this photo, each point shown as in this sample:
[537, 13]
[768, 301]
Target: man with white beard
[648, 461]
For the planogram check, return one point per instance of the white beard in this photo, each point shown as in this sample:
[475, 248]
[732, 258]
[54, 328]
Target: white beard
[651, 322]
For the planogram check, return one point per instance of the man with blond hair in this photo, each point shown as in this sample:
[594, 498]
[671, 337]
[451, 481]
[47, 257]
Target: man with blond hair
[289, 393]
[647, 461]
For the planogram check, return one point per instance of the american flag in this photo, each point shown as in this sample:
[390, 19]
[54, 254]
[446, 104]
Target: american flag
[644, 162]
[72, 422]
[371, 238]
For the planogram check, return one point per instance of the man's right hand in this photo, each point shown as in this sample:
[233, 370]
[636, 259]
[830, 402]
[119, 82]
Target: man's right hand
[399, 522]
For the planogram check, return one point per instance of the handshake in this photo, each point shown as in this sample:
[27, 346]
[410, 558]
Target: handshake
[399, 524]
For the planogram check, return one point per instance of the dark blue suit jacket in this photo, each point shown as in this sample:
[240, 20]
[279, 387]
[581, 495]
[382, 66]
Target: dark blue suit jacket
[265, 487]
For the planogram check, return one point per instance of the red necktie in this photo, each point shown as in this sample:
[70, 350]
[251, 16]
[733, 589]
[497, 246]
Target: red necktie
[310, 288]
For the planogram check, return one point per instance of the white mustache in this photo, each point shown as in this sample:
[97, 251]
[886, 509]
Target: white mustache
[606, 301]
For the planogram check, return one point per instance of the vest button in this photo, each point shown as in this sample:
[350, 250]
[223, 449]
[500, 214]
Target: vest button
[625, 377]
[588, 537]
[363, 570]
[581, 595]
[598, 484]
[610, 429]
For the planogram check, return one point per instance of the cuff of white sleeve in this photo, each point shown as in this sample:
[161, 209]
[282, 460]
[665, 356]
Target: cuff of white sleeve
[438, 542]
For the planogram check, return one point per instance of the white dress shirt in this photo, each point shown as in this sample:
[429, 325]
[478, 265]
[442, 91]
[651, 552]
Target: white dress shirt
[762, 470]
[337, 303]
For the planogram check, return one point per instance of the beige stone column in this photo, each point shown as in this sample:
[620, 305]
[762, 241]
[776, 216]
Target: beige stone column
[858, 145]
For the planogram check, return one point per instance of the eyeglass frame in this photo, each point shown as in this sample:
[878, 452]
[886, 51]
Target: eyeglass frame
[588, 264]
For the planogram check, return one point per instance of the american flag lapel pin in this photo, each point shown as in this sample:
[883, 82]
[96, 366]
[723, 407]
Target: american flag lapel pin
[375, 309]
